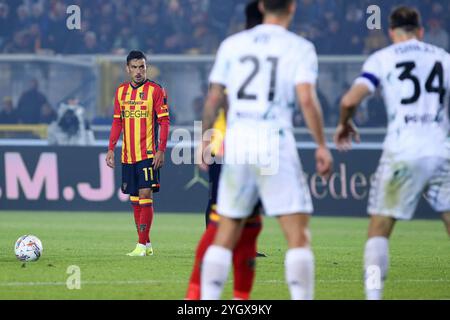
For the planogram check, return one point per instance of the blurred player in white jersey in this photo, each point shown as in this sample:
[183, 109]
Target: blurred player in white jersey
[263, 70]
[415, 81]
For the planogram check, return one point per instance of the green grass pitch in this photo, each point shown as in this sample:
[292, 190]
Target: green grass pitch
[97, 243]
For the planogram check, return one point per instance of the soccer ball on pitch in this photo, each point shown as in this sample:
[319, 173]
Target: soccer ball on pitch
[28, 248]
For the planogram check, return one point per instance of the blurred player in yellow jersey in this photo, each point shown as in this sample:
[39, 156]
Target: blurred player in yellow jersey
[245, 251]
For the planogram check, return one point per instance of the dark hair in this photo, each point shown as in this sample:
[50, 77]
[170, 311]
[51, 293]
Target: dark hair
[406, 18]
[135, 55]
[276, 6]
[253, 16]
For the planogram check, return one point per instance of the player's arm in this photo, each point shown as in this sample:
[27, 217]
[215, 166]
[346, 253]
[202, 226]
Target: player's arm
[312, 111]
[305, 79]
[217, 90]
[162, 114]
[346, 130]
[366, 84]
[116, 130]
[215, 99]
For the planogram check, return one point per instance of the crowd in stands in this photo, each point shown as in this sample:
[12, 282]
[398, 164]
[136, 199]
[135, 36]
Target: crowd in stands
[195, 26]
[191, 27]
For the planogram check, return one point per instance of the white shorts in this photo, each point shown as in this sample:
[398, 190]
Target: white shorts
[398, 185]
[283, 192]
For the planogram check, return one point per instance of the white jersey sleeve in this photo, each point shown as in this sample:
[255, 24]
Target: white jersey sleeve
[371, 73]
[220, 71]
[307, 66]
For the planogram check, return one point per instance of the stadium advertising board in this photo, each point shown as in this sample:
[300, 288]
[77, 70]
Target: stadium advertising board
[77, 179]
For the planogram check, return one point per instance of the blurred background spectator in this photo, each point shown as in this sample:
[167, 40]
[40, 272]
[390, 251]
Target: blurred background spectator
[71, 126]
[8, 115]
[436, 34]
[32, 105]
[48, 115]
[375, 40]
[5, 23]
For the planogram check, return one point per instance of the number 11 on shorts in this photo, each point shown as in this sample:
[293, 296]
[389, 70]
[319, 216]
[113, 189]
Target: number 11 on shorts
[146, 171]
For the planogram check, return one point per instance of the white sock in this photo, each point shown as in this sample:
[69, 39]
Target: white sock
[148, 245]
[376, 262]
[299, 271]
[142, 246]
[214, 272]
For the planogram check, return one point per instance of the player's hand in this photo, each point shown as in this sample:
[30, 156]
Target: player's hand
[199, 158]
[158, 160]
[344, 135]
[324, 161]
[110, 159]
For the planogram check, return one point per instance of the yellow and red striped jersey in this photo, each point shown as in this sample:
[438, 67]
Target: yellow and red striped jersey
[139, 111]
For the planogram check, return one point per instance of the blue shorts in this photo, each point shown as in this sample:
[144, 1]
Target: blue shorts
[139, 175]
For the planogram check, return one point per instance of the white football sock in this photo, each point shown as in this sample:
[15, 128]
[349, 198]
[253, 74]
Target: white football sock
[376, 263]
[299, 271]
[214, 272]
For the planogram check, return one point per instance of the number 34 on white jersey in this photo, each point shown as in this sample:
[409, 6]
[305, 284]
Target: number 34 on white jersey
[414, 78]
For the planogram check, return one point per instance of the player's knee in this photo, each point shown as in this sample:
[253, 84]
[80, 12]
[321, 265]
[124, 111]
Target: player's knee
[229, 232]
[145, 193]
[299, 239]
[380, 226]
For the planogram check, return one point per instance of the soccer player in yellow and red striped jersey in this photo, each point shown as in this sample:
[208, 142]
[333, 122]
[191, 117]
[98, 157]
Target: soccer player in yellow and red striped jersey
[140, 109]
